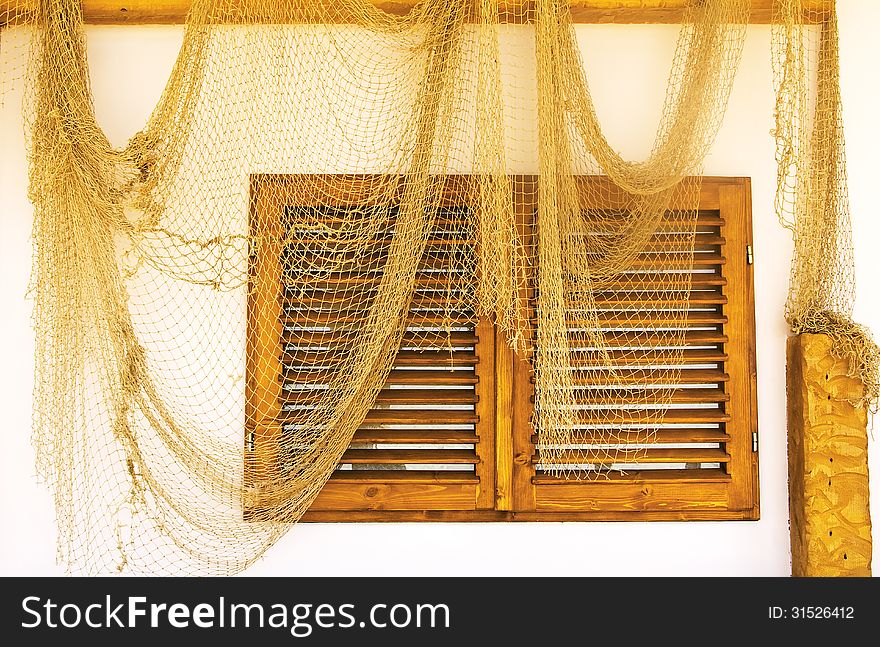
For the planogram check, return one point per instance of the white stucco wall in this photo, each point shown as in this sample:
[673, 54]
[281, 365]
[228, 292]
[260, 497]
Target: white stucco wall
[628, 67]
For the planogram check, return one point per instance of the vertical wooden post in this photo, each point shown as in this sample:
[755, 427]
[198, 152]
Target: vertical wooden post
[828, 464]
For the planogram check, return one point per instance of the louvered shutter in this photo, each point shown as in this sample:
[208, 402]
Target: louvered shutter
[417, 449]
[700, 463]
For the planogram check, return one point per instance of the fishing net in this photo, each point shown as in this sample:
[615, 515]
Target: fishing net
[811, 198]
[287, 211]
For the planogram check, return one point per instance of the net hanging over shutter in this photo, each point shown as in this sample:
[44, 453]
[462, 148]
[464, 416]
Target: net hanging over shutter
[221, 306]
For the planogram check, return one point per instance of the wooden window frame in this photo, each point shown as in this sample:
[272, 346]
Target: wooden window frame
[507, 487]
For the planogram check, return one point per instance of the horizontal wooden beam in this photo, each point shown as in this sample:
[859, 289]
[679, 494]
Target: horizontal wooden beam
[170, 12]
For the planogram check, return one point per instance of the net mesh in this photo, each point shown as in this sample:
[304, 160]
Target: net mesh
[286, 210]
[811, 198]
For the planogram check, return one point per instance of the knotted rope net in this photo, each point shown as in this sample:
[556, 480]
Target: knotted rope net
[811, 197]
[287, 210]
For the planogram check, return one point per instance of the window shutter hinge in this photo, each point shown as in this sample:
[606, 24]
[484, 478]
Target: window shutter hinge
[755, 441]
[750, 255]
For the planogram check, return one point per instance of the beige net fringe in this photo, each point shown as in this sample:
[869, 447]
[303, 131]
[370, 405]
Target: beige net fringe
[147, 258]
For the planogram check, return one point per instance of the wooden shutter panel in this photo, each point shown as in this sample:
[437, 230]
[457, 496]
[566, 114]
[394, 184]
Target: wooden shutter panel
[702, 464]
[417, 449]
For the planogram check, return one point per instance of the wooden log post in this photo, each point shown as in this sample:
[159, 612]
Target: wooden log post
[828, 464]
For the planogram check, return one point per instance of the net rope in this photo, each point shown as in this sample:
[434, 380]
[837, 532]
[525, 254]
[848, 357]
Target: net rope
[297, 172]
[812, 200]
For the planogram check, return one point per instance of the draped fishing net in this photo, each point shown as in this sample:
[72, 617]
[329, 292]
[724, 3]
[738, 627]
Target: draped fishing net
[287, 210]
[811, 198]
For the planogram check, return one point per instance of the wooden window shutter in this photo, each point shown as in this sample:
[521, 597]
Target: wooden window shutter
[705, 463]
[458, 445]
[419, 448]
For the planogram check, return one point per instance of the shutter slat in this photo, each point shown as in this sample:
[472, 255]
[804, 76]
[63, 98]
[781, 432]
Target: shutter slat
[705, 218]
[646, 476]
[636, 396]
[654, 300]
[626, 377]
[671, 416]
[416, 436]
[588, 358]
[689, 338]
[320, 221]
[434, 378]
[440, 477]
[654, 261]
[409, 377]
[412, 456]
[631, 318]
[413, 319]
[305, 319]
[427, 396]
[374, 243]
[420, 416]
[673, 455]
[658, 242]
[419, 300]
[329, 260]
[436, 280]
[390, 396]
[423, 339]
[405, 358]
[660, 281]
[643, 436]
[394, 417]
